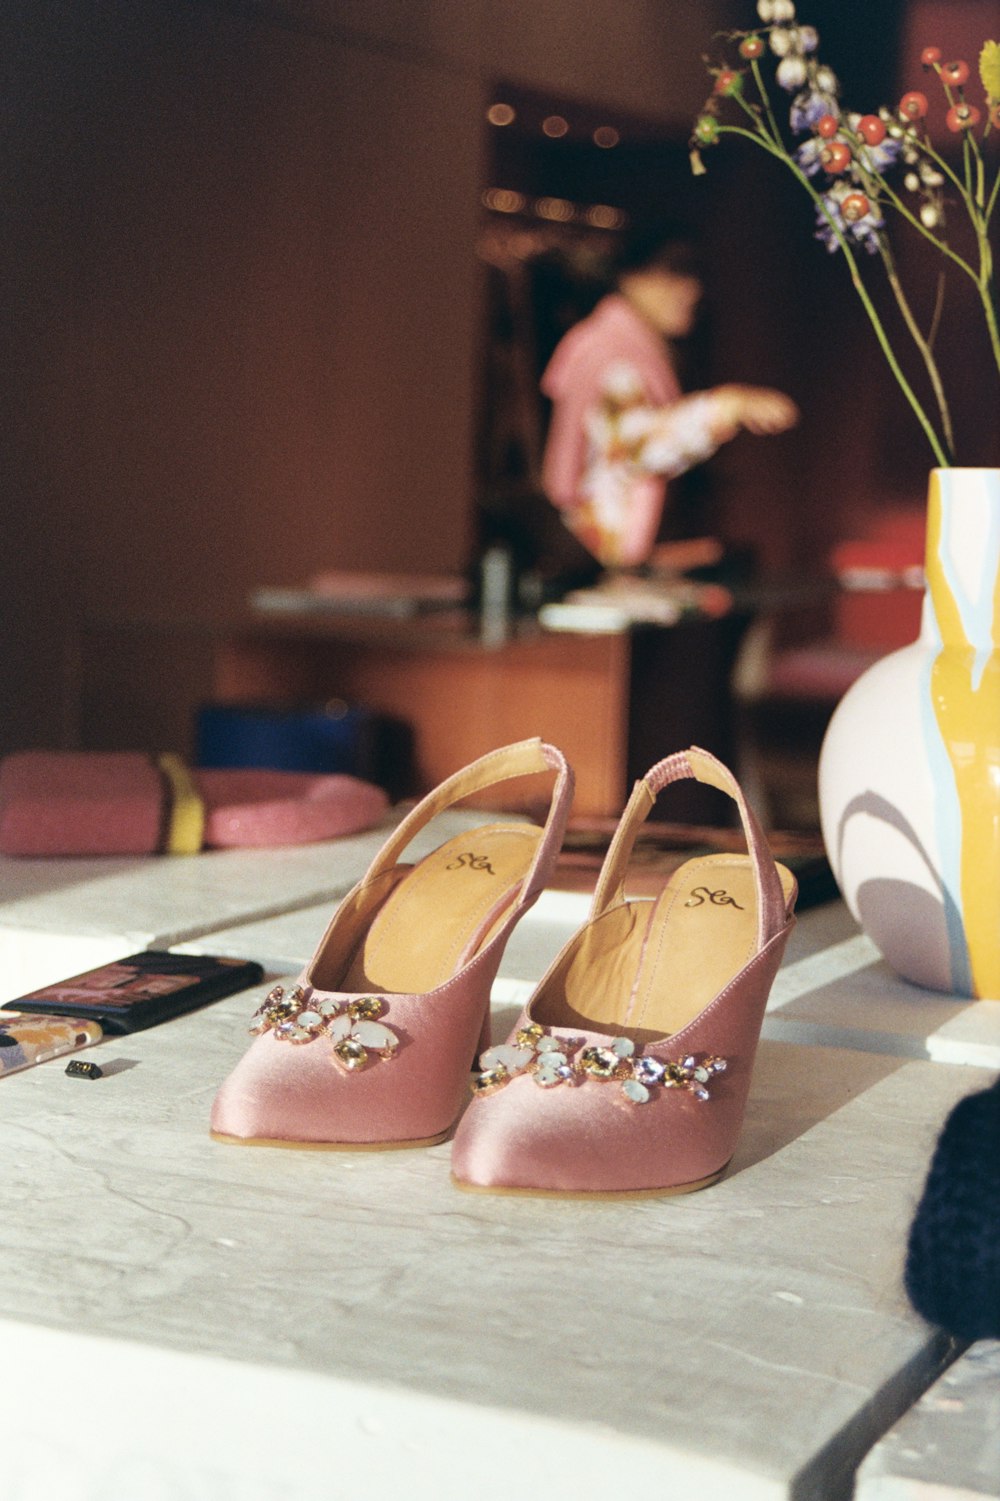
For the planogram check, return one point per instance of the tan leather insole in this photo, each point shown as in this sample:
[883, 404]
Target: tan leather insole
[443, 910]
[647, 968]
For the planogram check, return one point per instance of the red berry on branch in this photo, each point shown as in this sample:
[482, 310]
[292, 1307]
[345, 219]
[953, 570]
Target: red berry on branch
[751, 46]
[930, 56]
[729, 82]
[827, 126]
[955, 73]
[995, 116]
[913, 106]
[854, 207]
[962, 117]
[836, 157]
[871, 129]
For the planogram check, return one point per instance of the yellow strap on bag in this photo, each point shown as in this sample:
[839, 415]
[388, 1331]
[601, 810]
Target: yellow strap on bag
[185, 820]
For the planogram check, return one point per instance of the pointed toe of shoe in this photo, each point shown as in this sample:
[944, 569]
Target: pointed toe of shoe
[589, 1138]
[284, 1094]
[297, 1094]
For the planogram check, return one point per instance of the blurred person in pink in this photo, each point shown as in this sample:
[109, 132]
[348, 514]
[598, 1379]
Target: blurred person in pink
[621, 427]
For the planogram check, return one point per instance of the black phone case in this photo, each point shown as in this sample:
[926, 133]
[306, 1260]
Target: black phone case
[208, 978]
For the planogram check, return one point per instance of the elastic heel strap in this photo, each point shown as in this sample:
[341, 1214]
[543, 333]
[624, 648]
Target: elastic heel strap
[523, 758]
[703, 767]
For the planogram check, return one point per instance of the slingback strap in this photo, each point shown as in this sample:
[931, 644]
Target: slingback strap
[703, 767]
[521, 759]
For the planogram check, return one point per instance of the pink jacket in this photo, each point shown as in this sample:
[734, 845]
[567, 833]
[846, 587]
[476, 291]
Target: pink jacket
[613, 333]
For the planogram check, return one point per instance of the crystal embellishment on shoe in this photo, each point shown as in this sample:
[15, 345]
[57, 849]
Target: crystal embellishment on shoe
[352, 1026]
[275, 1008]
[656, 1002]
[550, 1061]
[599, 1063]
[403, 971]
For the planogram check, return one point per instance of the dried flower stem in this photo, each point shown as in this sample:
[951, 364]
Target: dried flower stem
[924, 344]
[980, 211]
[873, 317]
[876, 186]
[854, 153]
[938, 310]
[758, 79]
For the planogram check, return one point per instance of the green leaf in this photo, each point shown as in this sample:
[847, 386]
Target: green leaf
[989, 70]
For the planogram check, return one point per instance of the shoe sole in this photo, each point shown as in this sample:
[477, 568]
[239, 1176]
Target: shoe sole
[330, 1146]
[592, 1193]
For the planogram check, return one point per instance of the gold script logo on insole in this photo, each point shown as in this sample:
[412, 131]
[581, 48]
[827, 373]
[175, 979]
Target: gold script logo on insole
[472, 861]
[721, 898]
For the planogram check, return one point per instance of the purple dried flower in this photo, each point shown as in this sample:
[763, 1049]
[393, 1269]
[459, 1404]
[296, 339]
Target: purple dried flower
[808, 156]
[863, 230]
[876, 158]
[809, 107]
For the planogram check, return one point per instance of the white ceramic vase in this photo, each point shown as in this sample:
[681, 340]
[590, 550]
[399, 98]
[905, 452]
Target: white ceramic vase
[909, 775]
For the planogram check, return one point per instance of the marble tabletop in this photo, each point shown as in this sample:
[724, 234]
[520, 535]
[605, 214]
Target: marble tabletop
[270, 1325]
[835, 987]
[753, 1339]
[947, 1446]
[58, 917]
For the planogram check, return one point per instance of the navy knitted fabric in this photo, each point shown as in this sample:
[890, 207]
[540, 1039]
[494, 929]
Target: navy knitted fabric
[953, 1259]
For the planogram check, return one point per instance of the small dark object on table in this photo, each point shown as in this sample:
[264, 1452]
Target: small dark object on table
[78, 1069]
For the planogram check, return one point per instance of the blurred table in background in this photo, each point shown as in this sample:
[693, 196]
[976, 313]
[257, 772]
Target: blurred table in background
[615, 702]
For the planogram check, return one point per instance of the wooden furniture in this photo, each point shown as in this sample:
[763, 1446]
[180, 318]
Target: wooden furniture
[459, 696]
[614, 702]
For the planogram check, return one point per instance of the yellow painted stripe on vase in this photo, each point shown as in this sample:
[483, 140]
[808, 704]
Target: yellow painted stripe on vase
[186, 813]
[968, 716]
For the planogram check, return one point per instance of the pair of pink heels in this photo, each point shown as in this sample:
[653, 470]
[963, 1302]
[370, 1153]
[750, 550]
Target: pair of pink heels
[628, 1070]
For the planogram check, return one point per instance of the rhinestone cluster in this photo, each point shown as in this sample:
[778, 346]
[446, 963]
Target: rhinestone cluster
[352, 1026]
[558, 1060]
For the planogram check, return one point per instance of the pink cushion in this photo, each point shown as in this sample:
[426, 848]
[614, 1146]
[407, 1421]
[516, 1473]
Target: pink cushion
[114, 803]
[260, 808]
[65, 803]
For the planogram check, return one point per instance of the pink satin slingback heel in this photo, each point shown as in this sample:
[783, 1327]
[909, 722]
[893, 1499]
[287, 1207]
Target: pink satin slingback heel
[371, 1045]
[628, 1071]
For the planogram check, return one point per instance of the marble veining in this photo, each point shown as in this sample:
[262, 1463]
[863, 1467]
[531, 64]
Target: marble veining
[658, 1318]
[751, 1341]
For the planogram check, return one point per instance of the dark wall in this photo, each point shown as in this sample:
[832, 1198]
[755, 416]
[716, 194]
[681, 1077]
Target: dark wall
[245, 315]
[239, 244]
[243, 322]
